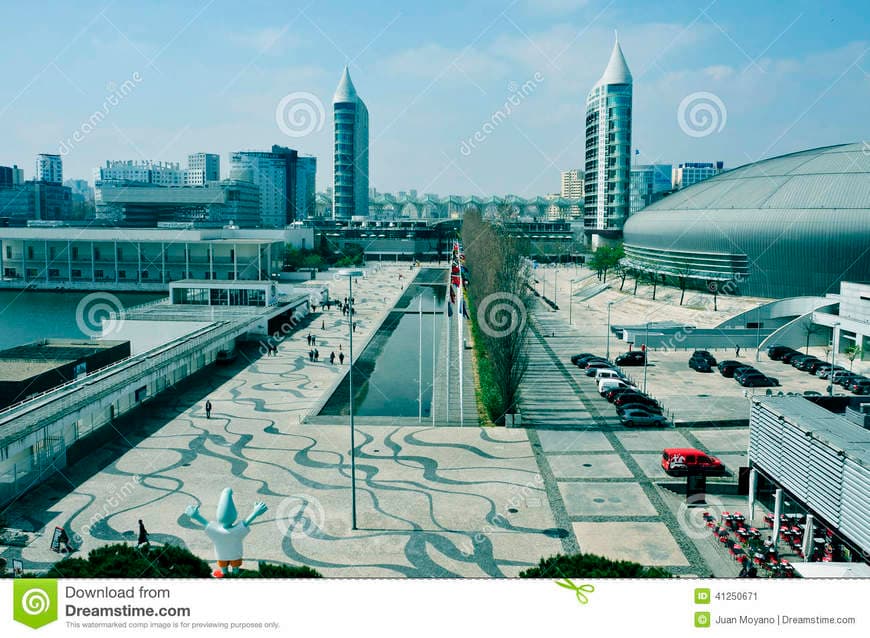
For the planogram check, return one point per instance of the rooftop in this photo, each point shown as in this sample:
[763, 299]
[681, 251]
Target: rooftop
[28, 360]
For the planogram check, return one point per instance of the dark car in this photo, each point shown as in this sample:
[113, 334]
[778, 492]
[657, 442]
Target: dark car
[788, 356]
[585, 362]
[595, 366]
[801, 359]
[631, 418]
[611, 394]
[758, 381]
[776, 352]
[727, 368]
[855, 381]
[575, 358]
[643, 407]
[634, 397]
[700, 364]
[744, 370]
[813, 367]
[862, 388]
[633, 358]
[843, 379]
[825, 371]
[703, 354]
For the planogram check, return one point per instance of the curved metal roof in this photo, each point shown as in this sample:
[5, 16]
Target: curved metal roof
[345, 91]
[791, 225]
[617, 69]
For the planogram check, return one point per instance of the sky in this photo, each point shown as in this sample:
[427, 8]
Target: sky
[713, 80]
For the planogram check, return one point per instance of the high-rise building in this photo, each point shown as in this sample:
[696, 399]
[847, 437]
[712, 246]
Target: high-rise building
[608, 148]
[693, 172]
[649, 183]
[572, 183]
[49, 168]
[286, 182]
[202, 168]
[351, 174]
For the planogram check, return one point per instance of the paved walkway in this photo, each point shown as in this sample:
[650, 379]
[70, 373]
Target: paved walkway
[431, 501]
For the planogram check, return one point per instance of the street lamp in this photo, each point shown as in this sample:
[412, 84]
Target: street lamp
[645, 354]
[350, 273]
[835, 338]
[607, 354]
[571, 300]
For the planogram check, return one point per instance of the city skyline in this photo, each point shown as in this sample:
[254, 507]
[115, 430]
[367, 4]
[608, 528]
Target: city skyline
[786, 83]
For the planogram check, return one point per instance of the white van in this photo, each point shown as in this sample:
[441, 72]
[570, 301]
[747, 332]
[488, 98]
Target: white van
[608, 384]
[607, 373]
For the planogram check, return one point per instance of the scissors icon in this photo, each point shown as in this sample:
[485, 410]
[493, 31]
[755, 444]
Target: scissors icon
[578, 590]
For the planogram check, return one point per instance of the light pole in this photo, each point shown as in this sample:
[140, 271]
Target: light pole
[645, 354]
[571, 301]
[607, 354]
[835, 338]
[350, 273]
[555, 272]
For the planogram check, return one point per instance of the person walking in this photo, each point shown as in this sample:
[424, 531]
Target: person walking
[311, 355]
[313, 340]
[737, 351]
[341, 358]
[143, 536]
[332, 358]
[323, 325]
[207, 409]
[308, 338]
[316, 354]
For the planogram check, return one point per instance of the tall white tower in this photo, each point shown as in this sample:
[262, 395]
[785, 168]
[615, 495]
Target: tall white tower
[608, 149]
[351, 177]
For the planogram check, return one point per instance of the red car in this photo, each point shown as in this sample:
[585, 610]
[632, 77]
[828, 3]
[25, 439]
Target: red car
[679, 461]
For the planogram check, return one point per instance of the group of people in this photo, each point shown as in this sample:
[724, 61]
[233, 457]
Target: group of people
[271, 350]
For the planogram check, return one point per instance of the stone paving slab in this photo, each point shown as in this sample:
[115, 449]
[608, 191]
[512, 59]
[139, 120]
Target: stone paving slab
[730, 439]
[605, 499]
[588, 466]
[647, 543]
[573, 441]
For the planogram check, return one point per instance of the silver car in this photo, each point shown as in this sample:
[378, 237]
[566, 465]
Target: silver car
[631, 418]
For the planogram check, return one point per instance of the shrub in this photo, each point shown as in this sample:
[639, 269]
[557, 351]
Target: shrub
[591, 566]
[124, 561]
[272, 570]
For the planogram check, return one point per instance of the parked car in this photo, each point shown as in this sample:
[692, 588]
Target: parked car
[777, 352]
[607, 373]
[633, 358]
[631, 418]
[611, 394]
[825, 372]
[679, 461]
[842, 377]
[703, 354]
[640, 407]
[634, 397]
[586, 362]
[813, 367]
[742, 371]
[856, 380]
[788, 356]
[727, 367]
[862, 388]
[758, 381]
[605, 385]
[593, 368]
[575, 358]
[801, 362]
[225, 357]
[700, 364]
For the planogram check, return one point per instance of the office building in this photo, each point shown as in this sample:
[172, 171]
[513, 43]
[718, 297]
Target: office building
[572, 183]
[144, 171]
[351, 174]
[34, 200]
[608, 149]
[11, 176]
[693, 172]
[649, 183]
[49, 168]
[285, 181]
[202, 168]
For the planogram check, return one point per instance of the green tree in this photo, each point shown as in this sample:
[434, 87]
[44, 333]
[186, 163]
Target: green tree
[272, 570]
[853, 352]
[591, 566]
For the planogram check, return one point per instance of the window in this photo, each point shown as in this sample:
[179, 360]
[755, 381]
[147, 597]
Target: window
[122, 274]
[96, 253]
[144, 274]
[78, 273]
[75, 252]
[53, 272]
[8, 252]
[30, 252]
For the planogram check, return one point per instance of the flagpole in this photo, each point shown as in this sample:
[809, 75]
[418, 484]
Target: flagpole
[447, 343]
[420, 361]
[434, 351]
[460, 306]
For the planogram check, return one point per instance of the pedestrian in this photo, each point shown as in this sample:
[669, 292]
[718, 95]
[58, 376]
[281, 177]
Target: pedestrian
[332, 358]
[339, 347]
[316, 354]
[738, 351]
[274, 350]
[308, 338]
[314, 307]
[143, 536]
[63, 539]
[341, 358]
[354, 326]
[207, 409]
[345, 301]
[311, 355]
[744, 569]
[323, 325]
[313, 340]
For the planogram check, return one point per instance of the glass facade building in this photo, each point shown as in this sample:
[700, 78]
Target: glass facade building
[608, 147]
[351, 192]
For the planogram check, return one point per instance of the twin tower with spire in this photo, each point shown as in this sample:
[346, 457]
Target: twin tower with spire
[608, 151]
[350, 194]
